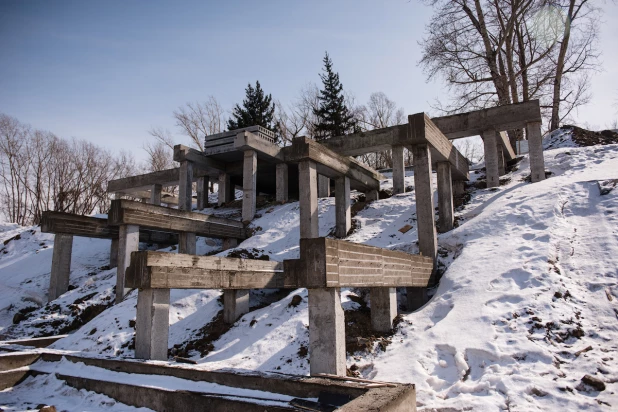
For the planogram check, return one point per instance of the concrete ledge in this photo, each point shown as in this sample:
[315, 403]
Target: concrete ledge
[34, 342]
[13, 377]
[15, 360]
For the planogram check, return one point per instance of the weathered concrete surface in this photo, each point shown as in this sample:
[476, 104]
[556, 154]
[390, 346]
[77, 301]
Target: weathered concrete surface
[445, 197]
[152, 324]
[61, 266]
[535, 148]
[383, 308]
[308, 199]
[113, 253]
[128, 241]
[34, 342]
[10, 378]
[10, 361]
[372, 195]
[326, 332]
[343, 211]
[459, 187]
[202, 192]
[323, 186]
[142, 183]
[249, 182]
[185, 186]
[399, 170]
[491, 158]
[501, 162]
[235, 304]
[225, 191]
[229, 243]
[258, 141]
[187, 243]
[282, 183]
[155, 194]
[507, 150]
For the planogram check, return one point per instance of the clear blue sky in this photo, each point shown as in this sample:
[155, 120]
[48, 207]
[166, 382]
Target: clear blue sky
[108, 71]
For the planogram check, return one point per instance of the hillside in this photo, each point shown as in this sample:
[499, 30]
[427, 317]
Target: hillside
[527, 304]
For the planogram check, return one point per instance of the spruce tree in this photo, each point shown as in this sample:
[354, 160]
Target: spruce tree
[257, 110]
[334, 118]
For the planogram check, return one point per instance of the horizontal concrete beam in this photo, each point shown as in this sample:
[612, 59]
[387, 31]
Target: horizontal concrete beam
[249, 141]
[331, 164]
[183, 153]
[160, 270]
[96, 227]
[501, 118]
[335, 263]
[133, 184]
[126, 212]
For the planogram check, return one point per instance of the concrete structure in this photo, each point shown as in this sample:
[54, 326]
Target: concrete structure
[249, 185]
[383, 308]
[128, 242]
[399, 170]
[152, 324]
[492, 167]
[282, 183]
[445, 197]
[235, 304]
[343, 211]
[61, 266]
[308, 199]
[326, 332]
[535, 148]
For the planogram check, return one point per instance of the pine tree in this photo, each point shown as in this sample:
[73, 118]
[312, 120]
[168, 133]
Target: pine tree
[257, 110]
[334, 118]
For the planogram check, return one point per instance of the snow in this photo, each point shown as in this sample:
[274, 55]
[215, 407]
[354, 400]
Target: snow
[529, 273]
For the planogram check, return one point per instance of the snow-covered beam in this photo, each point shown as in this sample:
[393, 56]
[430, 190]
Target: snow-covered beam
[144, 182]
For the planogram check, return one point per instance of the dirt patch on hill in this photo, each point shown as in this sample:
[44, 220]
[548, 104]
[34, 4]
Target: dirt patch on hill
[583, 137]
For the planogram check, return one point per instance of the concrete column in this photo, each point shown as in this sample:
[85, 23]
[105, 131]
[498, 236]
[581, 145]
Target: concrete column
[249, 181]
[224, 188]
[425, 218]
[229, 243]
[235, 304]
[491, 158]
[383, 308]
[61, 266]
[152, 324]
[323, 186]
[202, 192]
[445, 197]
[128, 241]
[501, 161]
[155, 194]
[187, 243]
[326, 332]
[343, 212]
[185, 186]
[308, 199]
[399, 171]
[113, 254]
[282, 183]
[459, 187]
[372, 195]
[535, 149]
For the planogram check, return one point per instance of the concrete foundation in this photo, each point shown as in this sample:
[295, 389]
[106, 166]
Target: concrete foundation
[128, 241]
[491, 158]
[249, 182]
[152, 324]
[235, 304]
[224, 188]
[308, 199]
[535, 148]
[202, 192]
[399, 170]
[155, 194]
[383, 308]
[326, 332]
[61, 266]
[282, 182]
[323, 186]
[113, 254]
[343, 212]
[417, 297]
[445, 197]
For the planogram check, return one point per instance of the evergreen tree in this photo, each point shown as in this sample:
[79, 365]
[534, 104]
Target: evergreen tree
[334, 118]
[257, 110]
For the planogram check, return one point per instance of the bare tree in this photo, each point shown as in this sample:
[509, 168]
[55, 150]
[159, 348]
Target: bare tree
[160, 156]
[198, 120]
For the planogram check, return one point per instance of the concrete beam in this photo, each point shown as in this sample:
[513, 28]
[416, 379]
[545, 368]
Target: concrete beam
[185, 186]
[535, 149]
[249, 141]
[308, 199]
[200, 160]
[249, 184]
[399, 170]
[140, 185]
[128, 242]
[383, 309]
[445, 197]
[282, 183]
[501, 162]
[510, 117]
[343, 211]
[326, 332]
[152, 324]
[492, 167]
[507, 149]
[61, 266]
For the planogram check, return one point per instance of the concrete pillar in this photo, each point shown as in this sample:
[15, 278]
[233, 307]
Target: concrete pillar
[128, 241]
[187, 243]
[185, 186]
[459, 187]
[155, 194]
[425, 217]
[152, 324]
[535, 149]
[282, 183]
[224, 188]
[249, 182]
[235, 304]
[323, 186]
[399, 171]
[445, 197]
[202, 192]
[383, 308]
[113, 254]
[61, 266]
[343, 212]
[491, 158]
[326, 332]
[229, 243]
[501, 161]
[372, 195]
[308, 199]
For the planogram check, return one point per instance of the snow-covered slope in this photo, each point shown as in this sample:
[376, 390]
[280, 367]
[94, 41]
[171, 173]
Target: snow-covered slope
[531, 281]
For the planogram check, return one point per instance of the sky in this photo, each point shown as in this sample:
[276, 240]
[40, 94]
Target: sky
[109, 71]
